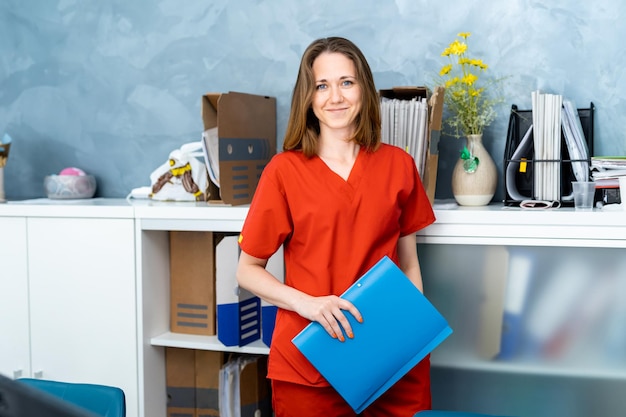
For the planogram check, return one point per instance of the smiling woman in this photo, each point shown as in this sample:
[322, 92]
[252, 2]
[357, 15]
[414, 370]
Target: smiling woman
[317, 199]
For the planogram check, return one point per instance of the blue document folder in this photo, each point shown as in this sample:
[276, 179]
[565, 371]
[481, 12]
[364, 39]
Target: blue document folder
[400, 327]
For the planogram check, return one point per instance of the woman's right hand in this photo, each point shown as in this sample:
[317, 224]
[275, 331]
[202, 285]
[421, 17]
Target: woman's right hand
[329, 311]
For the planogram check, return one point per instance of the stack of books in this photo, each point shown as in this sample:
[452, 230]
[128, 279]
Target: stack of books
[606, 171]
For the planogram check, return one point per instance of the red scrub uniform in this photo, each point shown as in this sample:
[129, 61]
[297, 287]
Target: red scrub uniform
[333, 231]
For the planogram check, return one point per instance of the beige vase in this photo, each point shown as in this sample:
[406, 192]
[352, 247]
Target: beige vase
[474, 184]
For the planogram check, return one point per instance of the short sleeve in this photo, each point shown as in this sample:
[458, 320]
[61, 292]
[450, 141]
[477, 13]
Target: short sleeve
[417, 212]
[268, 222]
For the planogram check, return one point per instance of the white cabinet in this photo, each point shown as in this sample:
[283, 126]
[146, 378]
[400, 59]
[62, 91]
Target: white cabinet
[14, 316]
[568, 314]
[73, 292]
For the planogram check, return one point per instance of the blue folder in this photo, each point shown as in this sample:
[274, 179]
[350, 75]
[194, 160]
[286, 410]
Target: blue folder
[400, 327]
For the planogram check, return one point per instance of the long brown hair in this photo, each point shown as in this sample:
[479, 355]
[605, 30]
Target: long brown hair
[303, 127]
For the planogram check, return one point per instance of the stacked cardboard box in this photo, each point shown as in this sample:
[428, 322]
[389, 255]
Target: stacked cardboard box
[194, 388]
[192, 379]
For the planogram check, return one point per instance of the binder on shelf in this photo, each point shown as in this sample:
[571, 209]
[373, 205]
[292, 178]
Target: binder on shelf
[520, 164]
[242, 317]
[429, 158]
[400, 327]
[238, 310]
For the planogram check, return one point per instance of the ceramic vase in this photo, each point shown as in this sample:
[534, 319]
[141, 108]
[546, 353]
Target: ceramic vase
[475, 176]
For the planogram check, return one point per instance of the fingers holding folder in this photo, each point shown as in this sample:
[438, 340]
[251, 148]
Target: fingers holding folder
[331, 313]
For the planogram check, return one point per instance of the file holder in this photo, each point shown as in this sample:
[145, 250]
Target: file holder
[519, 122]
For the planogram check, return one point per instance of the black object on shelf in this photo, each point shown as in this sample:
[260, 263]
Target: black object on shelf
[524, 165]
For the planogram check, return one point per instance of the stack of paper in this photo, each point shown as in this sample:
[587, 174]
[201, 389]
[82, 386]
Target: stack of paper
[608, 169]
[405, 124]
[400, 327]
[575, 141]
[546, 109]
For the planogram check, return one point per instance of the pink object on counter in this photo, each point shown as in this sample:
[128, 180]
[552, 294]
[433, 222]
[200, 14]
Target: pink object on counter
[72, 171]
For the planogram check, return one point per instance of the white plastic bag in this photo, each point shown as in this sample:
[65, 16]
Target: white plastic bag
[183, 177]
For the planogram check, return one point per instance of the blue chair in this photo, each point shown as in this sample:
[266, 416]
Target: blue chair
[101, 400]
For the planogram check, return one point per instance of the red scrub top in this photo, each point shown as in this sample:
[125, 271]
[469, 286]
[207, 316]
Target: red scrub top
[333, 231]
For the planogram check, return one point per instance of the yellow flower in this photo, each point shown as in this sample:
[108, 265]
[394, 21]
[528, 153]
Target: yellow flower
[465, 95]
[457, 48]
[470, 79]
[478, 63]
[445, 70]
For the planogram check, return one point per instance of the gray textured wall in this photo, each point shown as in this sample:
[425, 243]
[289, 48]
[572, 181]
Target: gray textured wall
[111, 86]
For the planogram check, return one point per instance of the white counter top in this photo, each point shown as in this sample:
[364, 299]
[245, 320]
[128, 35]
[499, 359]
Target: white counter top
[495, 222]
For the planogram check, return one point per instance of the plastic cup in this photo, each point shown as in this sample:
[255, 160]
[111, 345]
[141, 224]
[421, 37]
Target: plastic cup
[584, 192]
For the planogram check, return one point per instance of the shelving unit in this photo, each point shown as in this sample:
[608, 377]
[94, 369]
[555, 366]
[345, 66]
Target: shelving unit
[465, 245]
[154, 221]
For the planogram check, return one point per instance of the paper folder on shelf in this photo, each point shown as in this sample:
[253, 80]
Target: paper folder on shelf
[400, 327]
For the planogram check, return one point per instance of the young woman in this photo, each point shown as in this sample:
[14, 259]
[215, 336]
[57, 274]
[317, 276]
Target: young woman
[338, 200]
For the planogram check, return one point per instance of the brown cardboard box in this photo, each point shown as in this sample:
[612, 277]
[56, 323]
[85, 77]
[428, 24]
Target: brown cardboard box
[254, 389]
[180, 381]
[192, 282]
[192, 380]
[435, 114]
[246, 129]
[208, 364]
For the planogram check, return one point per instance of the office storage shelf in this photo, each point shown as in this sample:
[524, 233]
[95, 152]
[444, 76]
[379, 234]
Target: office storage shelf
[190, 341]
[570, 369]
[529, 368]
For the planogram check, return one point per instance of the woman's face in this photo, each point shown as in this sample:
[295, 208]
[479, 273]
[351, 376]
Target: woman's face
[337, 96]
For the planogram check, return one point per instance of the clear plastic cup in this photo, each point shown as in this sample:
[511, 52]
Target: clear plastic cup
[584, 192]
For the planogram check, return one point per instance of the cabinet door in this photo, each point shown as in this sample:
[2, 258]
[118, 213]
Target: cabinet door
[82, 301]
[14, 348]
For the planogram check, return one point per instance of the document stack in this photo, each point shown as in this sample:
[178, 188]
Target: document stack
[405, 125]
[411, 119]
[547, 148]
[606, 173]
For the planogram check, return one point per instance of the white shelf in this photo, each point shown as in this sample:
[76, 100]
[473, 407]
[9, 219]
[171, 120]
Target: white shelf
[190, 341]
[83, 208]
[157, 215]
[500, 225]
[530, 367]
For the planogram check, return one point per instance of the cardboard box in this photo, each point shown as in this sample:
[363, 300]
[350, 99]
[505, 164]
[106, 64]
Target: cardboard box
[435, 115]
[245, 389]
[242, 317]
[208, 365]
[246, 129]
[255, 389]
[192, 382]
[180, 381]
[192, 282]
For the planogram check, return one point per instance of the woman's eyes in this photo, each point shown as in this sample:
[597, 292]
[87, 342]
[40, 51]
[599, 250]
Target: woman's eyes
[344, 83]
